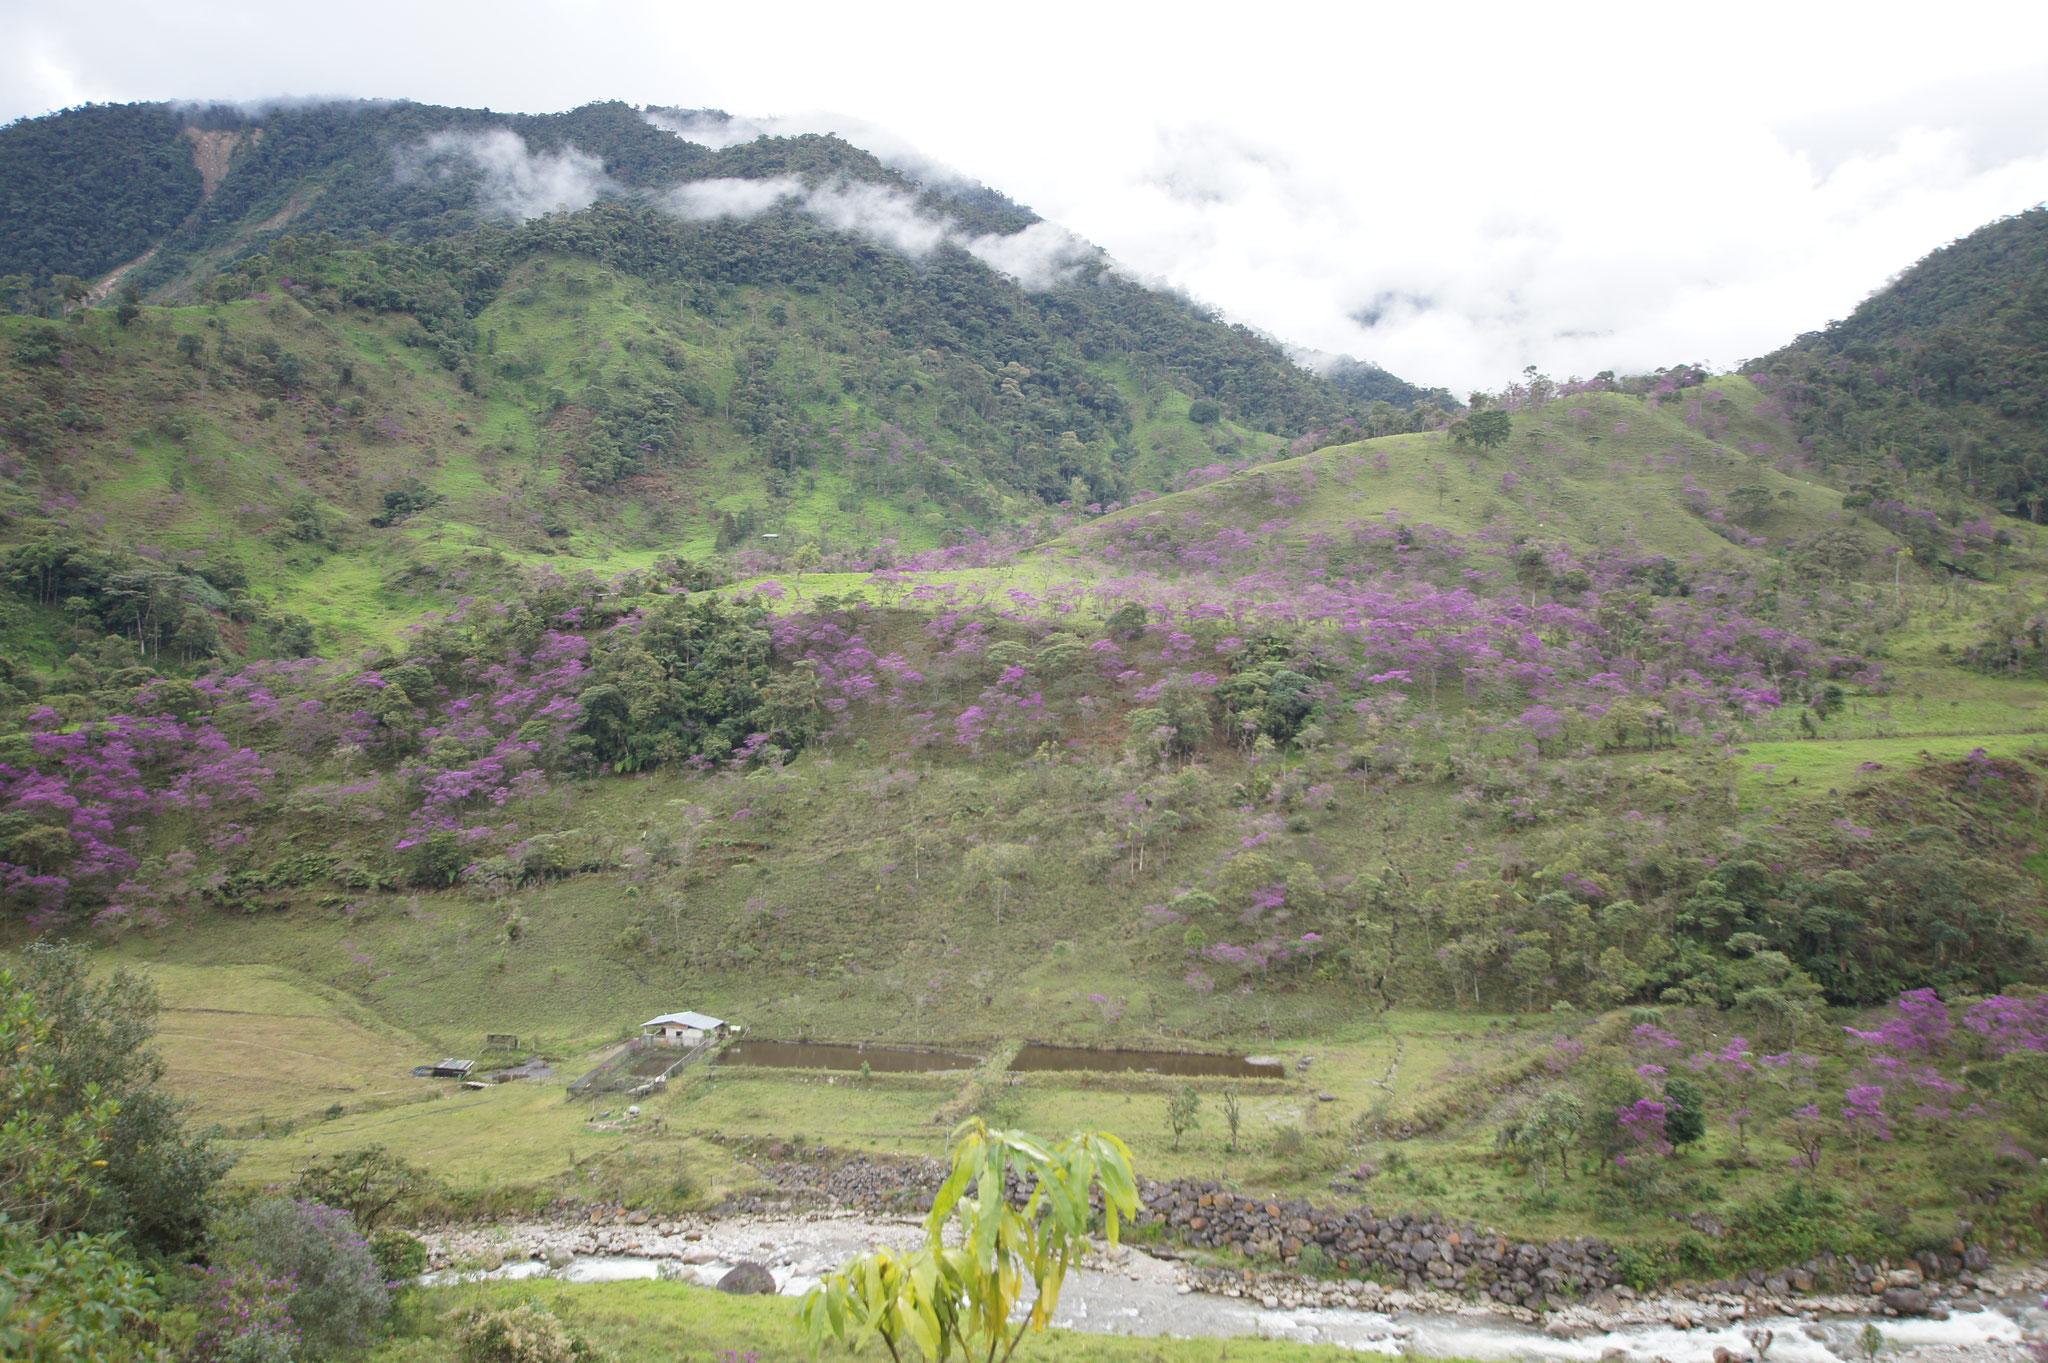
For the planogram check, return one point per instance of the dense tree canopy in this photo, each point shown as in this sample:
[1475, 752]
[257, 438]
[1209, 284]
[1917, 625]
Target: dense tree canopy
[92, 188]
[1943, 372]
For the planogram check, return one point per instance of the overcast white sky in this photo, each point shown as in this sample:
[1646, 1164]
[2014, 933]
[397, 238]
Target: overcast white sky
[1576, 187]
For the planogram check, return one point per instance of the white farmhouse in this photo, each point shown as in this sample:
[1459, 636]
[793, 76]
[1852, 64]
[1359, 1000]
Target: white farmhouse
[681, 1029]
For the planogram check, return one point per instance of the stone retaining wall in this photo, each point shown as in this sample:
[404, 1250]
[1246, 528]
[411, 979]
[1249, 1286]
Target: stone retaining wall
[1417, 1252]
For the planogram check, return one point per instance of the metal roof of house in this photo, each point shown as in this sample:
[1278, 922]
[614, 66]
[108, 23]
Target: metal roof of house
[697, 1020]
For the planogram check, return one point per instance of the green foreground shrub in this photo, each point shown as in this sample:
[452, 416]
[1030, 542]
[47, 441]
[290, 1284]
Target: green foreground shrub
[525, 1333]
[338, 1298]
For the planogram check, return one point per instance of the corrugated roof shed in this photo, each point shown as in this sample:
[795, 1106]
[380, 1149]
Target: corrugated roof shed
[697, 1020]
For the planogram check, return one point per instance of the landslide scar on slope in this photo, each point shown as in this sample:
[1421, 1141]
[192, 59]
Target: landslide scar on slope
[212, 149]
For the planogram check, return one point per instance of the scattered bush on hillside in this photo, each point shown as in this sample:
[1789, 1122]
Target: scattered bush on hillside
[1488, 430]
[1685, 1117]
[400, 1255]
[370, 1184]
[403, 502]
[1545, 1129]
[526, 1333]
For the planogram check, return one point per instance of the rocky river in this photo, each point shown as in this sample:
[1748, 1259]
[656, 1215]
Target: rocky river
[1132, 1291]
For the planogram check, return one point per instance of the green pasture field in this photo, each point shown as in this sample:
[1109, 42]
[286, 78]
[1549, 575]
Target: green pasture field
[1814, 769]
[296, 1070]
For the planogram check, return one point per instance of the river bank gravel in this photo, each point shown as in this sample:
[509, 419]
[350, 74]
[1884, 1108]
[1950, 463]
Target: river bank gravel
[1130, 1291]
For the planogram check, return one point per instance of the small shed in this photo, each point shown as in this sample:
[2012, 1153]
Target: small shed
[452, 1068]
[682, 1029]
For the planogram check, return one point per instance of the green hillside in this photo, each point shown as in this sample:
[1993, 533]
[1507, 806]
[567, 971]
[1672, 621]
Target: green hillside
[423, 628]
[1074, 876]
[324, 459]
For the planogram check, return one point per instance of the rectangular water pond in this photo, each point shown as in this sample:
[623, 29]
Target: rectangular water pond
[832, 1055]
[1184, 1063]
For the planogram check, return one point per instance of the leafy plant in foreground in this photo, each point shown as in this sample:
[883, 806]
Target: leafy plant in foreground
[156, 1179]
[962, 1297]
[63, 1295]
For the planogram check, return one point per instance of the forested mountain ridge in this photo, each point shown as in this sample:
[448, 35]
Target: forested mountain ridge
[1942, 372]
[336, 166]
[88, 190]
[74, 202]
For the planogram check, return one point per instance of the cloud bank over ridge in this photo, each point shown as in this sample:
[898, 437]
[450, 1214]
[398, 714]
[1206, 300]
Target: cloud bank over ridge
[517, 182]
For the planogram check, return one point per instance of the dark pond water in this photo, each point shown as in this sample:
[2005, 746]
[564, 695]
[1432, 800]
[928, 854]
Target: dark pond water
[1155, 1062]
[826, 1055]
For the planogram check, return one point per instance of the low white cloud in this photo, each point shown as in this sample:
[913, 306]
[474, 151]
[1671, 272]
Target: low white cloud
[517, 182]
[1629, 256]
[718, 130]
[730, 198]
[881, 214]
[1039, 257]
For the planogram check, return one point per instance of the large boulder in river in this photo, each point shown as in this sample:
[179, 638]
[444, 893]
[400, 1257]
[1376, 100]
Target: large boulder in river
[1907, 1301]
[748, 1277]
